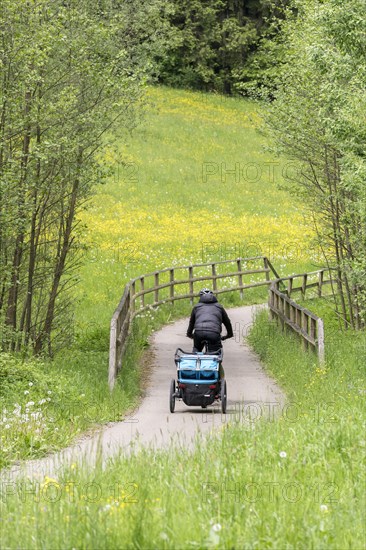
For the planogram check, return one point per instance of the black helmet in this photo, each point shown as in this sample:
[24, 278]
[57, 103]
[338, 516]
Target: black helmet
[205, 291]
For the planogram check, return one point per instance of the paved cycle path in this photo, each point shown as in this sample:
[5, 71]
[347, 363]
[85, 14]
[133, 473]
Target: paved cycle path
[251, 395]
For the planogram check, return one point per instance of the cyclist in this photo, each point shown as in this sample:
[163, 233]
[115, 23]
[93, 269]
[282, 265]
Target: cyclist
[206, 322]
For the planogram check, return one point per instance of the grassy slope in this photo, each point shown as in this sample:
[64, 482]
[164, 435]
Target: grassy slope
[162, 208]
[279, 478]
[154, 212]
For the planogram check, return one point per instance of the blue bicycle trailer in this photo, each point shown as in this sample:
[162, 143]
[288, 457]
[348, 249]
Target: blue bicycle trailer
[198, 379]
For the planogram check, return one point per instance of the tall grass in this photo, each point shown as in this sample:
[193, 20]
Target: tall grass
[277, 477]
[170, 200]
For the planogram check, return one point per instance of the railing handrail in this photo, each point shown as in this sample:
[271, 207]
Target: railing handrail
[293, 303]
[221, 262]
[305, 323]
[123, 316]
[127, 308]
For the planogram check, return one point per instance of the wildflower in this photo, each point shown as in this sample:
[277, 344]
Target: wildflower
[30, 384]
[214, 537]
[30, 404]
[49, 392]
[7, 426]
[26, 392]
[323, 508]
[50, 480]
[283, 454]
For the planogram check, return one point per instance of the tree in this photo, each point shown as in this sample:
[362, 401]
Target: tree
[211, 42]
[318, 119]
[68, 76]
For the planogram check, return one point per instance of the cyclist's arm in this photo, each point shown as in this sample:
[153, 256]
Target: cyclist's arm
[191, 323]
[227, 324]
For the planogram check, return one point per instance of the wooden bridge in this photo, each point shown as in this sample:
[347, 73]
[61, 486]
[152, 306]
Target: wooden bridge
[180, 283]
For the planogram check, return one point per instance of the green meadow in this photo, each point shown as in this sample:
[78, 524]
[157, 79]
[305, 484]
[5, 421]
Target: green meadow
[278, 477]
[193, 183]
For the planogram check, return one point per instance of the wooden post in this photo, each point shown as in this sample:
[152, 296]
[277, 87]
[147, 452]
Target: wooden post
[286, 314]
[191, 291]
[289, 286]
[305, 327]
[270, 302]
[142, 285]
[313, 329]
[321, 348]
[303, 288]
[287, 309]
[112, 371]
[240, 277]
[292, 314]
[172, 285]
[298, 318]
[282, 309]
[132, 296]
[214, 282]
[156, 284]
[320, 282]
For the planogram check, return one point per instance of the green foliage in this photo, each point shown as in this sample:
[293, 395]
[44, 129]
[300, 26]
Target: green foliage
[286, 476]
[46, 405]
[317, 121]
[61, 91]
[212, 43]
[258, 77]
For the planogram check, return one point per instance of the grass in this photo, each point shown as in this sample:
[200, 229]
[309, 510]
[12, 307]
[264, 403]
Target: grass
[171, 201]
[46, 405]
[291, 477]
[168, 200]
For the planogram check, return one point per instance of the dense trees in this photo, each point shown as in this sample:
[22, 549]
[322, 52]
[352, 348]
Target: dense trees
[70, 71]
[318, 119]
[212, 42]
[68, 74]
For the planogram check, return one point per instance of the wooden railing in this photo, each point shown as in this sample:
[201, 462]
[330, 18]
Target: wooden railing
[306, 324]
[178, 283]
[310, 280]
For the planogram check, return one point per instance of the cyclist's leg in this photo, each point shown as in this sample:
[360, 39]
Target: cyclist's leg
[213, 342]
[198, 340]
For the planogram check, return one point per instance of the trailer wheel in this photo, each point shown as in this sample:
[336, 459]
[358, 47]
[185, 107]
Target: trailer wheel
[223, 396]
[172, 396]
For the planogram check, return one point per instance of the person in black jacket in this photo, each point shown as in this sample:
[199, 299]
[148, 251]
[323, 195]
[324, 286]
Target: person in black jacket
[206, 322]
